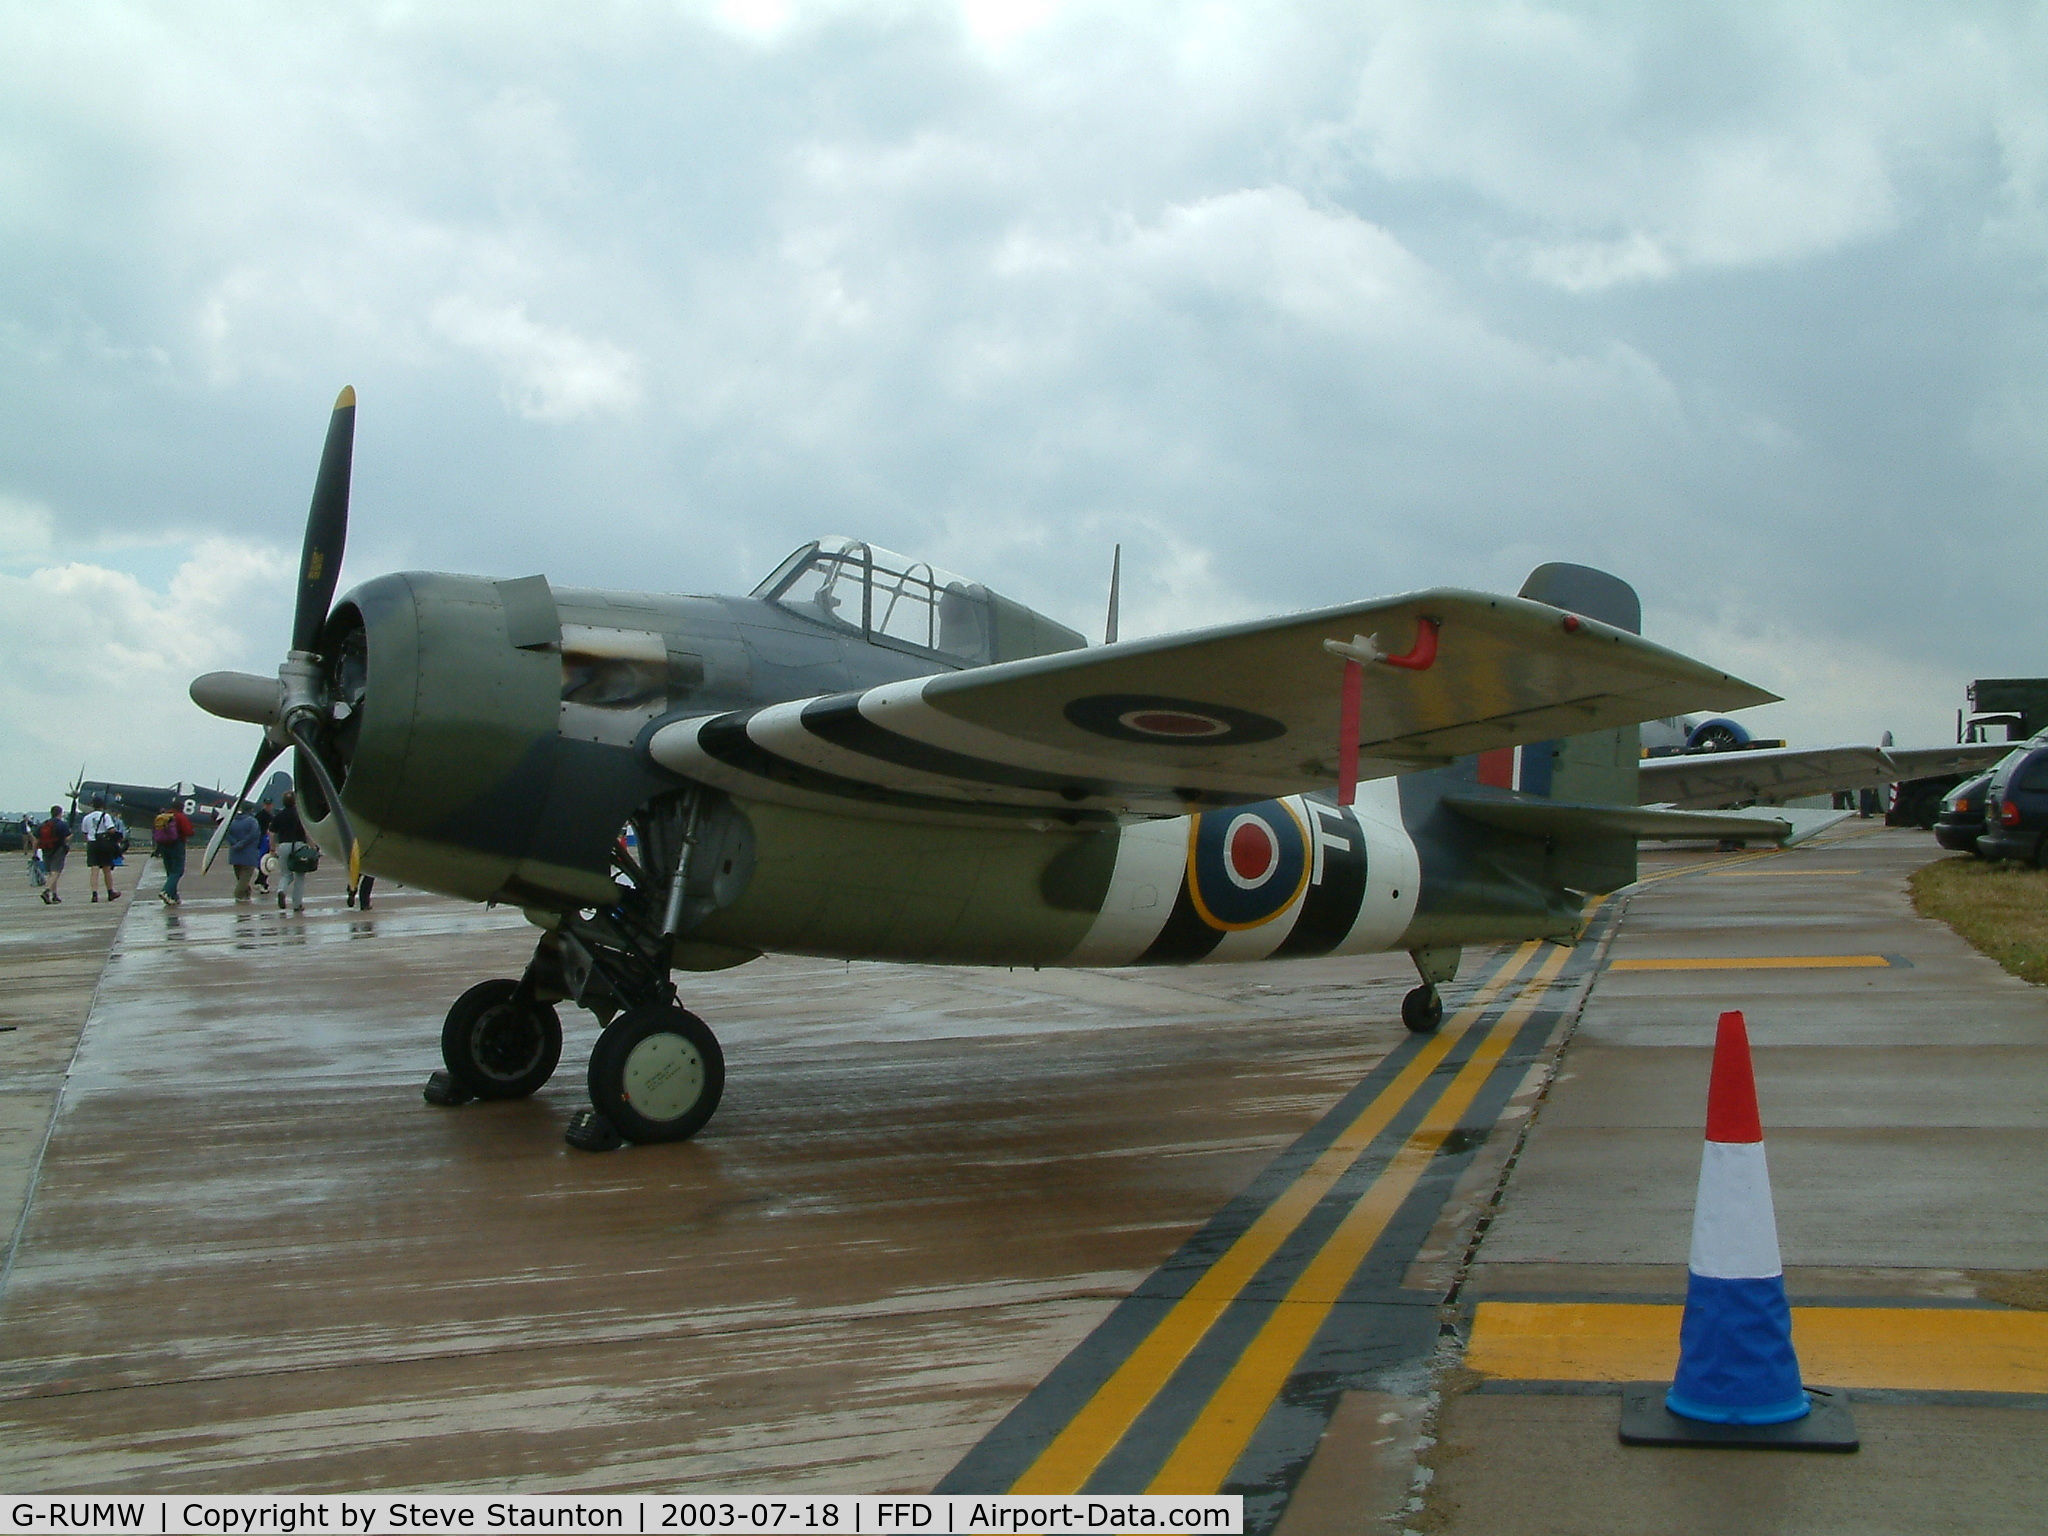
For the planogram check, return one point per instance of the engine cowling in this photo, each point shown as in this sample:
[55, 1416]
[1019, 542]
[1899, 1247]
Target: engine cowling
[445, 729]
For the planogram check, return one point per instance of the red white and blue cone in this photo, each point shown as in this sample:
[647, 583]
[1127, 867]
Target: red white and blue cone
[1735, 1360]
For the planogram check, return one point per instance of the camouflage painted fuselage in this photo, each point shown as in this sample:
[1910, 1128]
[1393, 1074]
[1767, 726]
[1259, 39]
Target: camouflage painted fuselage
[500, 743]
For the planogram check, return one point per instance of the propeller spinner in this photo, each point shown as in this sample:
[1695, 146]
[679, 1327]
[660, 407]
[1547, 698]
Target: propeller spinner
[293, 707]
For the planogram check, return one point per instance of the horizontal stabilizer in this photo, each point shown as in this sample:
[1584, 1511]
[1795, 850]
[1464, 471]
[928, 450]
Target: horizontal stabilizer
[1581, 823]
[1791, 773]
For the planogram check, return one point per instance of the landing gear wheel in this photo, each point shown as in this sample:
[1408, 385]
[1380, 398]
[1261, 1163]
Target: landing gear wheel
[498, 1044]
[656, 1073]
[1422, 1009]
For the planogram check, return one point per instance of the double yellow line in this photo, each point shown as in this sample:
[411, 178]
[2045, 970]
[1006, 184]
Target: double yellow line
[1212, 1445]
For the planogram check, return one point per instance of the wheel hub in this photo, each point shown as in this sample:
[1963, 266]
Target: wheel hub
[506, 1042]
[664, 1077]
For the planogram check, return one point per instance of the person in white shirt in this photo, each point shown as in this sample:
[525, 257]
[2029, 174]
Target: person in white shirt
[104, 837]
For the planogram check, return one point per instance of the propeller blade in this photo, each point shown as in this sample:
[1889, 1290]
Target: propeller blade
[326, 525]
[265, 756]
[333, 798]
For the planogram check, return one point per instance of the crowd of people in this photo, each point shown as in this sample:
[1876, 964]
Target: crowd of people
[262, 842]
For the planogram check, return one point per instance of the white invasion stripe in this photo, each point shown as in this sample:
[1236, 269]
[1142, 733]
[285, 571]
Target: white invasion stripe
[676, 747]
[901, 707]
[781, 730]
[1734, 1229]
[1150, 860]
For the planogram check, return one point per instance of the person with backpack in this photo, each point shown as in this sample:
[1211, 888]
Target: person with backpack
[296, 856]
[53, 842]
[104, 838]
[168, 835]
[245, 850]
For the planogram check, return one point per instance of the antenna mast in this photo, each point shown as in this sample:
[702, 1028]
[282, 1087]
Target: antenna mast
[1116, 571]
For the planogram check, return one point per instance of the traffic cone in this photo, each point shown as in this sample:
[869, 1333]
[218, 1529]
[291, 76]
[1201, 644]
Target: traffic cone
[1735, 1359]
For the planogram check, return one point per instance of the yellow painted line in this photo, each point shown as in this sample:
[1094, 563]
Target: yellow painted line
[1925, 1349]
[1216, 1439]
[1754, 963]
[1072, 1457]
[1709, 866]
[1814, 873]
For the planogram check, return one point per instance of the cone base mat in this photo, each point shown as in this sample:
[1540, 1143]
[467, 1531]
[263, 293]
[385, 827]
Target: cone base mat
[1646, 1421]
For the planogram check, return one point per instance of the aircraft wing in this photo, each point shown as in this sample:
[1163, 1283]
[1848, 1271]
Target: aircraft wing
[1788, 773]
[1230, 715]
[1926, 762]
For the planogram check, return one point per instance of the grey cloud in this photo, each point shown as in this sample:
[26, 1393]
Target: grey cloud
[1300, 305]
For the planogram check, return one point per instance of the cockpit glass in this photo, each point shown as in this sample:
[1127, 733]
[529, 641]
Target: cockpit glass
[885, 598]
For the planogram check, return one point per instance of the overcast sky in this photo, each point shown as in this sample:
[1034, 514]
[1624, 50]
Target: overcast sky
[1301, 304]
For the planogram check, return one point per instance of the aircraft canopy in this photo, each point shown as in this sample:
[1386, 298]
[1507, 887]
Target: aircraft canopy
[889, 599]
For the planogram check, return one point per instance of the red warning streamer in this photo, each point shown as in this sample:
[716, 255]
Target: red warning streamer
[1348, 709]
[1418, 656]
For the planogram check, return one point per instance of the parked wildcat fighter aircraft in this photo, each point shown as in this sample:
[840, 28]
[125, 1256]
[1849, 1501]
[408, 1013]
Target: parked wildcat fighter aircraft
[871, 758]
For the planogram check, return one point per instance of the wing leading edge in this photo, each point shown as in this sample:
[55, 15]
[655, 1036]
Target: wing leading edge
[1230, 715]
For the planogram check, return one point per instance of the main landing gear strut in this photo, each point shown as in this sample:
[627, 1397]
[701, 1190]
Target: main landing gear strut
[656, 1072]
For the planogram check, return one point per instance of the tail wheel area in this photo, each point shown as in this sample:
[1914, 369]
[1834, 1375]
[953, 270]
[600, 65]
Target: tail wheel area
[499, 1043]
[1422, 1010]
[657, 1073]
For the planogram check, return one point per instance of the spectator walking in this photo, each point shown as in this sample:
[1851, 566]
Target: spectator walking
[169, 834]
[292, 850]
[53, 842]
[359, 893]
[245, 850]
[104, 839]
[266, 850]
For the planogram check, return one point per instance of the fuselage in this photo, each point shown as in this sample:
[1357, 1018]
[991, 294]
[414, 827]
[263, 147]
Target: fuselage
[496, 745]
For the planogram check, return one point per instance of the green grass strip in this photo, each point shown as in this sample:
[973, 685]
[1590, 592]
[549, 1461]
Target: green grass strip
[1999, 909]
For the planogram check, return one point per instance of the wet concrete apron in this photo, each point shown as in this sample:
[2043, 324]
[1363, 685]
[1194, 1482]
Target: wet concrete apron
[1176, 1230]
[1903, 1081]
[256, 1260]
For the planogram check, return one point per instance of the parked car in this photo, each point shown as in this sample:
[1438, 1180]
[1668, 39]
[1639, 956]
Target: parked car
[1961, 821]
[2016, 807]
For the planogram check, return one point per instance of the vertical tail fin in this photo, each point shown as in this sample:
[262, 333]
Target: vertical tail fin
[1600, 767]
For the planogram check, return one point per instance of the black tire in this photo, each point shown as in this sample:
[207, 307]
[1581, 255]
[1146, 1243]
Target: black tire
[657, 1073]
[2041, 853]
[497, 1047]
[1422, 1010]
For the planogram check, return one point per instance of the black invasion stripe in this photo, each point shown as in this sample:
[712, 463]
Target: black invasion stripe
[1329, 907]
[727, 740]
[1185, 938]
[838, 720]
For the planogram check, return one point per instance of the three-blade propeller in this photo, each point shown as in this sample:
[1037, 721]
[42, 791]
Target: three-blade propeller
[299, 699]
